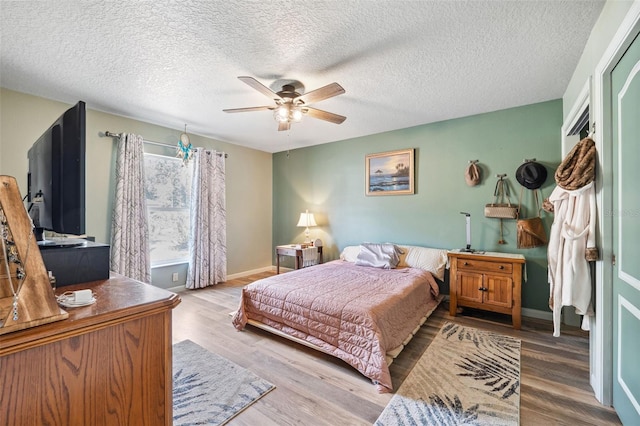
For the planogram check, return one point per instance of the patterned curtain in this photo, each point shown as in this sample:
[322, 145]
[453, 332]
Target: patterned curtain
[129, 230]
[208, 237]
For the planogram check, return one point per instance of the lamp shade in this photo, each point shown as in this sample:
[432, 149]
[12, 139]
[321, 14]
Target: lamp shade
[306, 220]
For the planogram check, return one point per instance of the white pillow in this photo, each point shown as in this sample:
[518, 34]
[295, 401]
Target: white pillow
[350, 254]
[429, 259]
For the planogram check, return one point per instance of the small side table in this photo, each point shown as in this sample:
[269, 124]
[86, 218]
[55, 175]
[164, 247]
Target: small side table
[291, 250]
[487, 281]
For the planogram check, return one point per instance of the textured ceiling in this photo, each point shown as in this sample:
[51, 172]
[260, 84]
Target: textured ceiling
[402, 63]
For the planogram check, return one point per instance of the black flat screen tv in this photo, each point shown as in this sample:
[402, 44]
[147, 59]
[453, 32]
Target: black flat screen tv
[56, 179]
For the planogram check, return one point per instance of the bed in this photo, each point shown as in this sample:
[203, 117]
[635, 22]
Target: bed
[362, 308]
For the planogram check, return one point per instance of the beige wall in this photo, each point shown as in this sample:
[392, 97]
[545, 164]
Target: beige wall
[23, 118]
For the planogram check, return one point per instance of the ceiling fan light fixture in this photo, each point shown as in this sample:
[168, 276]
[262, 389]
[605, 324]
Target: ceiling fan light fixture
[296, 114]
[290, 105]
[281, 114]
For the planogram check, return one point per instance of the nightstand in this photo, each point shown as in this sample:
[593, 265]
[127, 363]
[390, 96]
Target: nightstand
[487, 281]
[291, 250]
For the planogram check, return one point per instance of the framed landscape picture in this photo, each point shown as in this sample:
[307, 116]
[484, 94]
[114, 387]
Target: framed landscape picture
[389, 173]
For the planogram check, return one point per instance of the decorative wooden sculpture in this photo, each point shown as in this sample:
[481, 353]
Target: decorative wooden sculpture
[26, 296]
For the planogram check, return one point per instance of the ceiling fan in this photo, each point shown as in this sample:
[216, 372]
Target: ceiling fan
[290, 105]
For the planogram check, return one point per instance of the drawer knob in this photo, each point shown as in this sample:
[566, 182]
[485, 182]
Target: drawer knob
[501, 267]
[465, 263]
[483, 289]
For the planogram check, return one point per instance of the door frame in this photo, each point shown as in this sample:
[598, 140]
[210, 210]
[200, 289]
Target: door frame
[601, 337]
[582, 102]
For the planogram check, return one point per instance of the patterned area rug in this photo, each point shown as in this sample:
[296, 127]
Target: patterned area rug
[465, 377]
[209, 389]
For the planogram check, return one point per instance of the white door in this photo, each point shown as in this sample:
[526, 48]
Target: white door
[625, 86]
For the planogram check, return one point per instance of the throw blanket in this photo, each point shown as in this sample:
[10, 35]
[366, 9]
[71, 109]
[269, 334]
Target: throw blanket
[355, 313]
[309, 256]
[379, 255]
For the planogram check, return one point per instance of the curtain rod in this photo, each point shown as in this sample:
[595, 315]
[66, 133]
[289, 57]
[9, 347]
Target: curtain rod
[117, 135]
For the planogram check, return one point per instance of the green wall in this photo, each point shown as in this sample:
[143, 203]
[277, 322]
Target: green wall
[329, 180]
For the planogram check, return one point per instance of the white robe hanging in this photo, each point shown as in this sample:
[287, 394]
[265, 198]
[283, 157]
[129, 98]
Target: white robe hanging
[572, 234]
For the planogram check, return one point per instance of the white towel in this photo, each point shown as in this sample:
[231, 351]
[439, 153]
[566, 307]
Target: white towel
[309, 256]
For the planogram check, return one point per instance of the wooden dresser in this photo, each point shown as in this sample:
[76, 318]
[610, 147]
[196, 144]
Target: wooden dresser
[107, 364]
[488, 281]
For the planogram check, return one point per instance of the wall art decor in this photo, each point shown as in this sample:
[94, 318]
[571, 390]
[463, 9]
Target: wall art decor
[390, 173]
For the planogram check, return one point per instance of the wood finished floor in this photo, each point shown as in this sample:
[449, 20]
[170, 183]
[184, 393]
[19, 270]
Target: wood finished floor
[316, 389]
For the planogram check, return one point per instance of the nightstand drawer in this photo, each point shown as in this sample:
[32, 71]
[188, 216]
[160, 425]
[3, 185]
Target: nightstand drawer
[483, 265]
[286, 251]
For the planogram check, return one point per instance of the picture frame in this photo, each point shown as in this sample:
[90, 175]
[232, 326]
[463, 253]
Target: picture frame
[390, 173]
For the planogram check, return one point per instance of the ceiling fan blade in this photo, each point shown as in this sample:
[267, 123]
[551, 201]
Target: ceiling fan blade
[323, 115]
[260, 87]
[248, 109]
[328, 91]
[284, 126]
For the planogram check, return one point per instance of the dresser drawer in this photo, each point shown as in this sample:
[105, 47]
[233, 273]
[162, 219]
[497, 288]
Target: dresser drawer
[484, 265]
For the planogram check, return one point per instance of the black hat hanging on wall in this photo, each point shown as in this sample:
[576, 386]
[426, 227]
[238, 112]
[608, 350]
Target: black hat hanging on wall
[531, 175]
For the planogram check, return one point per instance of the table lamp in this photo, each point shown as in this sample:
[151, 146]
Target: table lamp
[306, 220]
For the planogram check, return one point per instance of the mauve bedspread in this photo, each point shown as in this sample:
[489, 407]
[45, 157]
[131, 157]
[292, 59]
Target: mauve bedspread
[355, 313]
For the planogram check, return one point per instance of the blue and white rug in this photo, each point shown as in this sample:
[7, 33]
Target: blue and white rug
[209, 389]
[465, 377]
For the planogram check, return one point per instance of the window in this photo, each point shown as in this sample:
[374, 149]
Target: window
[168, 195]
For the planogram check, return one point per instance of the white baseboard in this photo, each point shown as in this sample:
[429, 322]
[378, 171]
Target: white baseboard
[534, 313]
[251, 272]
[177, 289]
[180, 288]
